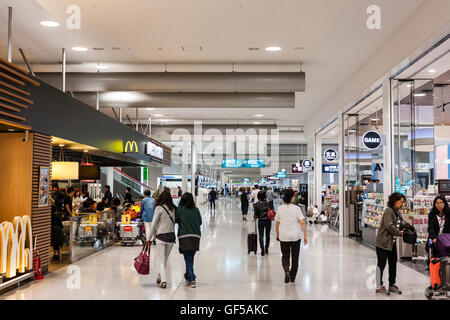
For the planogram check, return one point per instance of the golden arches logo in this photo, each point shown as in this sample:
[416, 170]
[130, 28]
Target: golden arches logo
[131, 146]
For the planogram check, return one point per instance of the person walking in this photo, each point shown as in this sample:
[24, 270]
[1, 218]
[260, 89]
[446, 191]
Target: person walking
[264, 223]
[107, 198]
[147, 212]
[189, 220]
[244, 204]
[180, 192]
[289, 221]
[386, 247]
[271, 197]
[212, 198]
[254, 195]
[438, 220]
[163, 228]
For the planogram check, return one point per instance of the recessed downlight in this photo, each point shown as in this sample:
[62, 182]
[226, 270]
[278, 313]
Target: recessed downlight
[150, 109]
[374, 119]
[419, 94]
[259, 115]
[11, 130]
[273, 48]
[256, 122]
[49, 23]
[432, 70]
[157, 115]
[79, 49]
[101, 67]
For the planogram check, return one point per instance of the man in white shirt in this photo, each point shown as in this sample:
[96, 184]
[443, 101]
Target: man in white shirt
[255, 194]
[290, 222]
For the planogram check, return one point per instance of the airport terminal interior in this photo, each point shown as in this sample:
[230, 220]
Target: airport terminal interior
[225, 150]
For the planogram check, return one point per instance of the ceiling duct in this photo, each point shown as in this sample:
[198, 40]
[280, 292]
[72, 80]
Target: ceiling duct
[188, 100]
[180, 81]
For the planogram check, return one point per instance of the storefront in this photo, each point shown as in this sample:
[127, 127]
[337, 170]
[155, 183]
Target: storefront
[49, 133]
[394, 138]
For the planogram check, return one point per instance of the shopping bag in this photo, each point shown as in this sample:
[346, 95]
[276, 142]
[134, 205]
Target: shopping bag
[142, 261]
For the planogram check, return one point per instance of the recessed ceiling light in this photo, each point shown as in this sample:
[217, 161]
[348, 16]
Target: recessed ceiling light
[79, 49]
[49, 23]
[432, 70]
[61, 145]
[165, 120]
[273, 48]
[150, 109]
[259, 115]
[157, 115]
[374, 119]
[10, 129]
[85, 151]
[419, 94]
[257, 122]
[101, 67]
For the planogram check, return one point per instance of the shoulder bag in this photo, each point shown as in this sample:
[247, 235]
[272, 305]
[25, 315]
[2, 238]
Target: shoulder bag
[270, 212]
[142, 261]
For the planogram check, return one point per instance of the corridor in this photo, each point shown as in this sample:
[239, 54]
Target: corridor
[330, 268]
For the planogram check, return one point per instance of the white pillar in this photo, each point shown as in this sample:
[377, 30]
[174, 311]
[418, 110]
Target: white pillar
[193, 168]
[185, 166]
[110, 178]
[318, 170]
[10, 34]
[341, 174]
[388, 135]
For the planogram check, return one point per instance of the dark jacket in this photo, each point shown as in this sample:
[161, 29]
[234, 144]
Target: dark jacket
[189, 222]
[244, 200]
[261, 208]
[433, 224]
[388, 229]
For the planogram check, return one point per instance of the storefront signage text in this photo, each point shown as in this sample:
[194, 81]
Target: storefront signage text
[330, 168]
[372, 140]
[241, 163]
[306, 164]
[297, 168]
[155, 151]
[330, 154]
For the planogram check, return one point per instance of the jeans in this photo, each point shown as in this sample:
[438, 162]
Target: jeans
[264, 224]
[212, 203]
[391, 257]
[189, 259]
[289, 248]
[163, 251]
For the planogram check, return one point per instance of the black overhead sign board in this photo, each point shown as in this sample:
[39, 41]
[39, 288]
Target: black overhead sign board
[59, 114]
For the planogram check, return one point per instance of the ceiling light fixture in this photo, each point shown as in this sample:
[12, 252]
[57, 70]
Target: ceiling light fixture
[256, 122]
[79, 49]
[419, 94]
[259, 115]
[100, 67]
[49, 23]
[374, 119]
[150, 109]
[273, 48]
[157, 115]
[432, 70]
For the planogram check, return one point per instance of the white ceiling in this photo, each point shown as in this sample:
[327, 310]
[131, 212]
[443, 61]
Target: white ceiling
[333, 34]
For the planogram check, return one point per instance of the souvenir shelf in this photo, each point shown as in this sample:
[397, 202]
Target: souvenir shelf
[374, 208]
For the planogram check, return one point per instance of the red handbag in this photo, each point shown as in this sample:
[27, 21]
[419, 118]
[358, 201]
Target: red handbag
[142, 261]
[270, 213]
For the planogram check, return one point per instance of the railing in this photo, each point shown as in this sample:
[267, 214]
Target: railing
[128, 181]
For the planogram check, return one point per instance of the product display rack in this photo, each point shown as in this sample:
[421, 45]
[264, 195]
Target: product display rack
[374, 208]
[331, 203]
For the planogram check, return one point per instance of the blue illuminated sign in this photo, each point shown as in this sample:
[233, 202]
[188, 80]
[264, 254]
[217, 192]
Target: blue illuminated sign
[240, 163]
[330, 168]
[281, 174]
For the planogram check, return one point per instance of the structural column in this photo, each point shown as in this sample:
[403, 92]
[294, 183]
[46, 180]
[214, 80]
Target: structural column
[341, 149]
[110, 178]
[185, 166]
[318, 170]
[193, 168]
[388, 134]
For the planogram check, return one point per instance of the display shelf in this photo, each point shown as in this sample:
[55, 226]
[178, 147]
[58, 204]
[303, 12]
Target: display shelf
[374, 208]
[331, 203]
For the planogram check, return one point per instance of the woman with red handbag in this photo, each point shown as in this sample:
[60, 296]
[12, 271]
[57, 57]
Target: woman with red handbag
[261, 213]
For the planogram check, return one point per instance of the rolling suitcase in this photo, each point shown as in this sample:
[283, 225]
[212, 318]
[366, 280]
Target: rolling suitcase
[444, 273]
[252, 241]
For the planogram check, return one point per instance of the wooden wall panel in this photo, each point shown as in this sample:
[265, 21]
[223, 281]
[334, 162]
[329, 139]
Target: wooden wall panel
[41, 216]
[15, 175]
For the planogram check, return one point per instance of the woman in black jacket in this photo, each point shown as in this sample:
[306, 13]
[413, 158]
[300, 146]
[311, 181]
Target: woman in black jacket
[57, 234]
[438, 219]
[244, 204]
[264, 223]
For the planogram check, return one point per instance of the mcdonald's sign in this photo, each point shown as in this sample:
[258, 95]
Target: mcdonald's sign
[16, 246]
[131, 146]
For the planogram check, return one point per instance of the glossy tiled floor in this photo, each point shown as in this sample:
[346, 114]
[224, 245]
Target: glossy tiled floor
[331, 268]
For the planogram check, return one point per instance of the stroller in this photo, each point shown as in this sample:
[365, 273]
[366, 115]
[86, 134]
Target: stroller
[439, 288]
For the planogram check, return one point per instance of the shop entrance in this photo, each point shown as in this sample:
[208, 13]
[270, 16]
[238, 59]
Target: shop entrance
[363, 168]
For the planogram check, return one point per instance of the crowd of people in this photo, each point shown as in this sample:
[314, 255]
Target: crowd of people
[160, 216]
